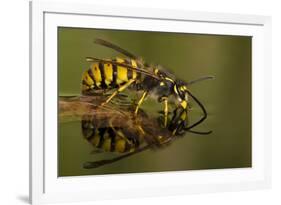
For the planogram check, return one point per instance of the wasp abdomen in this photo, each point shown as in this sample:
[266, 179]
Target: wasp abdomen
[102, 75]
[111, 139]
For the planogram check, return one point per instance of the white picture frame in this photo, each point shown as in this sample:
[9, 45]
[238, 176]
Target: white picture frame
[46, 187]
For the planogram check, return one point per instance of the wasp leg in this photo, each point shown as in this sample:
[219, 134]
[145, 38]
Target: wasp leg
[166, 110]
[121, 135]
[118, 133]
[140, 102]
[120, 89]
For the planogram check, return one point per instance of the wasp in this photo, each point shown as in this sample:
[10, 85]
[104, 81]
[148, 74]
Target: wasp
[125, 138]
[122, 133]
[131, 72]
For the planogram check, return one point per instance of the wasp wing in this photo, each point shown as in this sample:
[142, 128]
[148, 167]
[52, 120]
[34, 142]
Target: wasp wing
[99, 163]
[114, 47]
[73, 108]
[140, 70]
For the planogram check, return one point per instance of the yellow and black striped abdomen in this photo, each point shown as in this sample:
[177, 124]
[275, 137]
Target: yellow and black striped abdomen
[112, 139]
[102, 75]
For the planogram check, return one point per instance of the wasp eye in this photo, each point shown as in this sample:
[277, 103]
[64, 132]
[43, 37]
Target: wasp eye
[181, 88]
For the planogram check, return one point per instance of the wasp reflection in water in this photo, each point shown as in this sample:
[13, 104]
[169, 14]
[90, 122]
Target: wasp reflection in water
[125, 134]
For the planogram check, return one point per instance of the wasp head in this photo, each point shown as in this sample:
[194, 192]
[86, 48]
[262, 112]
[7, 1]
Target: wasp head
[180, 114]
[181, 93]
[179, 120]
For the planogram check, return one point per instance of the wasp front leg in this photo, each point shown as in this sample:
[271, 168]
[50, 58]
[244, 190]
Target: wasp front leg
[120, 89]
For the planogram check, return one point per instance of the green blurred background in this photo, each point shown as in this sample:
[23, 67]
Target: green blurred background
[227, 98]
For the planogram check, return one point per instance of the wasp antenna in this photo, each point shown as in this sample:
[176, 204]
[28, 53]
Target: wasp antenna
[199, 132]
[201, 79]
[202, 108]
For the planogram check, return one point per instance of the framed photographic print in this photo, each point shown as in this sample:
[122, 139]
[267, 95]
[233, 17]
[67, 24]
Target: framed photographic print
[146, 102]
